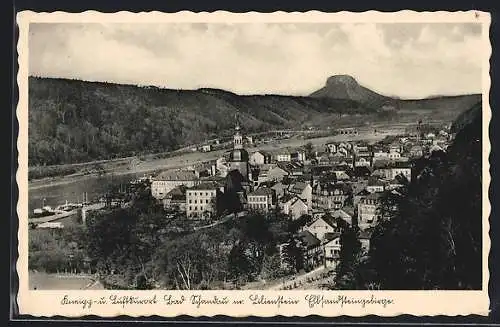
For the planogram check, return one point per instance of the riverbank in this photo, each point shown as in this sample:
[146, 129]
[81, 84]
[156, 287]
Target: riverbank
[183, 160]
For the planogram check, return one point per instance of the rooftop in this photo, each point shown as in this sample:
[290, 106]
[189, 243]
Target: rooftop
[262, 191]
[205, 186]
[331, 236]
[176, 175]
[309, 239]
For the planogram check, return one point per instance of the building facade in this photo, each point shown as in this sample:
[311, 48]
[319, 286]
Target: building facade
[201, 201]
[167, 181]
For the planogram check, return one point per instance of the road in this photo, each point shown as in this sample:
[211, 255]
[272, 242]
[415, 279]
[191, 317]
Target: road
[298, 279]
[193, 158]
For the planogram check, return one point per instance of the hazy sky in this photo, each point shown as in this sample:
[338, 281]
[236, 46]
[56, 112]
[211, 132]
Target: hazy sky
[407, 60]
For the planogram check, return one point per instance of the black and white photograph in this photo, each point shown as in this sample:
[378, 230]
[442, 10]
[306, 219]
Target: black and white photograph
[240, 156]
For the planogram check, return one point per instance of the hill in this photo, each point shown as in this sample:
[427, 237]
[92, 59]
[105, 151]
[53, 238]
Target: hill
[346, 87]
[74, 121]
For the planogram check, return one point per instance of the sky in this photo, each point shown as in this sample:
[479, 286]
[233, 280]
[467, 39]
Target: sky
[407, 60]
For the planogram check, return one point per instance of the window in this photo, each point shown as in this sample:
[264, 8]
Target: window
[206, 201]
[190, 208]
[195, 201]
[190, 201]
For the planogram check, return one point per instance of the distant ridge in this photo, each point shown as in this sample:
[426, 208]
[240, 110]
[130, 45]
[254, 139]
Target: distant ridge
[76, 121]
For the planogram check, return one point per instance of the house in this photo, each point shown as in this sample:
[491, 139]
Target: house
[375, 185]
[260, 158]
[168, 180]
[341, 214]
[279, 189]
[394, 147]
[368, 214]
[284, 156]
[416, 151]
[294, 206]
[206, 148]
[331, 147]
[303, 190]
[276, 173]
[391, 171]
[380, 155]
[359, 195]
[360, 148]
[341, 172]
[435, 148]
[323, 158]
[298, 155]
[292, 168]
[201, 200]
[321, 226]
[311, 247]
[332, 247]
[394, 155]
[362, 161]
[262, 199]
[361, 172]
[175, 199]
[365, 238]
[329, 195]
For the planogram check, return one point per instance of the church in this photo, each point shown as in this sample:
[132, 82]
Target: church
[238, 163]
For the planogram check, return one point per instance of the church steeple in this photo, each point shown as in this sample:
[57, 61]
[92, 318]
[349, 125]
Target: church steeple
[237, 139]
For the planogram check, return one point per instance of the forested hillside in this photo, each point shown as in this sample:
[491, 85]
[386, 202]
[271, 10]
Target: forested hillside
[74, 121]
[431, 234]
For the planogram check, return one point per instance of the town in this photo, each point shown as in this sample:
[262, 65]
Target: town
[339, 183]
[322, 189]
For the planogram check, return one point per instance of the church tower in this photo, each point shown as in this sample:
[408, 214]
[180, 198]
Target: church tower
[238, 158]
[237, 138]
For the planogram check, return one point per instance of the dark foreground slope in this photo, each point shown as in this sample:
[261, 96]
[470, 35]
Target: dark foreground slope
[431, 235]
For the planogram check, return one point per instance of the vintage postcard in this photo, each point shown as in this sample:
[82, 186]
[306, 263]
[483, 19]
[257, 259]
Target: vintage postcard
[253, 164]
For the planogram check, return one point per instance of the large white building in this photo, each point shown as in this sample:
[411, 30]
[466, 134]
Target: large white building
[168, 180]
[262, 199]
[201, 200]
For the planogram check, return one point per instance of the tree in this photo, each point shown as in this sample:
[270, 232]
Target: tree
[350, 252]
[309, 150]
[293, 255]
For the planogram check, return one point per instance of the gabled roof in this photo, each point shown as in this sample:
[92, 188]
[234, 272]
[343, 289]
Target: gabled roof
[340, 214]
[363, 192]
[297, 199]
[264, 153]
[262, 191]
[366, 234]
[298, 187]
[205, 186]
[375, 182]
[178, 192]
[309, 240]
[287, 197]
[331, 236]
[328, 219]
[176, 175]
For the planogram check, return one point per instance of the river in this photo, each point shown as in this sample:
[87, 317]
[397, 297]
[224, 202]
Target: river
[94, 186]
[70, 189]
